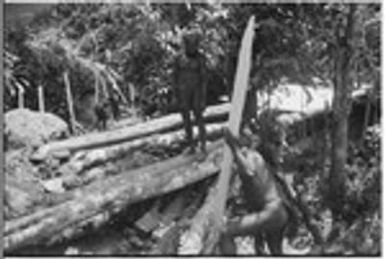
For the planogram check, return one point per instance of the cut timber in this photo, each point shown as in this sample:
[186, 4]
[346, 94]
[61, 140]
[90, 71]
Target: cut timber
[192, 241]
[238, 100]
[85, 159]
[99, 139]
[173, 210]
[150, 220]
[94, 204]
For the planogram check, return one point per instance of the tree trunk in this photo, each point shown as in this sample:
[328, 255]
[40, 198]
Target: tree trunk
[89, 158]
[98, 139]
[341, 109]
[213, 113]
[95, 204]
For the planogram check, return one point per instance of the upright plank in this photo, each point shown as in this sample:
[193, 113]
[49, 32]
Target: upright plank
[236, 110]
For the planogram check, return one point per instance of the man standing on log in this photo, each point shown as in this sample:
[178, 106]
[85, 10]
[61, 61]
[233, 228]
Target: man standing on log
[190, 86]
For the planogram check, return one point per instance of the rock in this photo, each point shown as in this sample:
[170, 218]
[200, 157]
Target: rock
[54, 185]
[26, 128]
[61, 154]
[71, 251]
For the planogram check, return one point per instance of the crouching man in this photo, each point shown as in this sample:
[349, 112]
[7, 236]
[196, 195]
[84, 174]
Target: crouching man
[268, 215]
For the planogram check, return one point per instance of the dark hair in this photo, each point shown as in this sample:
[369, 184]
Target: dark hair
[192, 35]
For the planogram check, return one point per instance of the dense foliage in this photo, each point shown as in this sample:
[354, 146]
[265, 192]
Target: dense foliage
[128, 50]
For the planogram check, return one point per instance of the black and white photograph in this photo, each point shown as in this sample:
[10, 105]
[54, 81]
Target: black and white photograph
[192, 128]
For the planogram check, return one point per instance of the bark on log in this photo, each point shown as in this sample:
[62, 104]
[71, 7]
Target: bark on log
[98, 201]
[98, 139]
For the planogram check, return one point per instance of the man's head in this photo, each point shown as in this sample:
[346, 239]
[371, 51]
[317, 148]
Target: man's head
[191, 40]
[273, 144]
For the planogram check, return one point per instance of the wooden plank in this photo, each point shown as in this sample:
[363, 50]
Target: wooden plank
[237, 105]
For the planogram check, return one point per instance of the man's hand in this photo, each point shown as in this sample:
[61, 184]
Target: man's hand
[230, 139]
[226, 134]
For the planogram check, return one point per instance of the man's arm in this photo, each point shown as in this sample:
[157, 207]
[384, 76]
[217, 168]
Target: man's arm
[270, 217]
[204, 79]
[235, 147]
[175, 75]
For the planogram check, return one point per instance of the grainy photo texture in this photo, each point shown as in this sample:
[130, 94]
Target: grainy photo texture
[189, 128]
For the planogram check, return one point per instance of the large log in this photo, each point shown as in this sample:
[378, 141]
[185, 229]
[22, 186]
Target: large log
[98, 139]
[85, 159]
[97, 201]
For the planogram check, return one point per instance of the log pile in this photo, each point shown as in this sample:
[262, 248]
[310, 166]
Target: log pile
[100, 139]
[97, 202]
[94, 204]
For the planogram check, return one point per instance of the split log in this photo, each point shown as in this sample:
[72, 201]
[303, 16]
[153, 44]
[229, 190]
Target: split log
[192, 241]
[98, 139]
[98, 201]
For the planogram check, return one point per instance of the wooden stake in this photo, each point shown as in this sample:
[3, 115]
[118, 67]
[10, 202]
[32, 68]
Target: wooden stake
[69, 100]
[41, 99]
[21, 97]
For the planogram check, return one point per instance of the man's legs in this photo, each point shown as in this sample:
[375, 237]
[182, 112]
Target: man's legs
[271, 221]
[188, 129]
[202, 130]
[198, 109]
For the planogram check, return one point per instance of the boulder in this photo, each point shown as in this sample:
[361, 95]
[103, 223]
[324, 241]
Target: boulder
[26, 128]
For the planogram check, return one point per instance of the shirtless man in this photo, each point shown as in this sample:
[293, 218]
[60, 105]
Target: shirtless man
[190, 86]
[268, 215]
